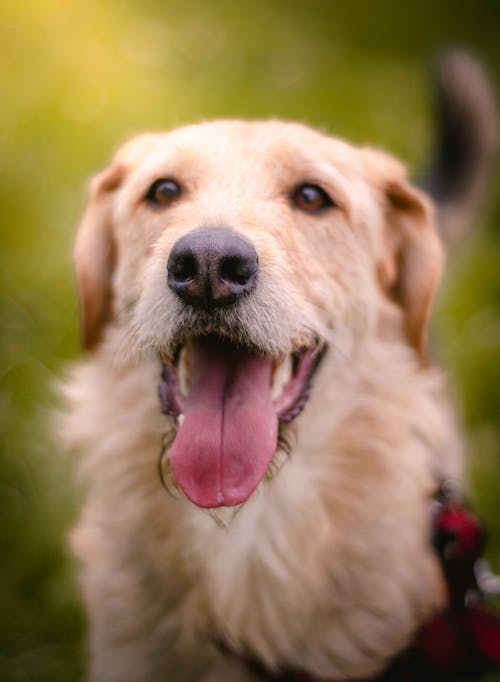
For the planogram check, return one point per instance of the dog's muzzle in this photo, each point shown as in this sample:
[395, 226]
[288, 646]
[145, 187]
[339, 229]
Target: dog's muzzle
[229, 397]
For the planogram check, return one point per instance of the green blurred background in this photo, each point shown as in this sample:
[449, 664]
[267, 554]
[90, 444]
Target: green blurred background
[80, 76]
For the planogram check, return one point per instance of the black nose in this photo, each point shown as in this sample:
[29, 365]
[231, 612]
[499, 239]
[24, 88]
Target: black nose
[209, 267]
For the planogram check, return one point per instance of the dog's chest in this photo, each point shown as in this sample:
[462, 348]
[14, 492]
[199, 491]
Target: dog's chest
[259, 579]
[290, 582]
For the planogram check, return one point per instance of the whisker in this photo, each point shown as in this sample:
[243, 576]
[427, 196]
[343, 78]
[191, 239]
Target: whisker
[164, 469]
[284, 444]
[217, 518]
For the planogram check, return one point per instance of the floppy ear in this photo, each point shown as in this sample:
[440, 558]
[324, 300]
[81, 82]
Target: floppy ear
[94, 256]
[412, 261]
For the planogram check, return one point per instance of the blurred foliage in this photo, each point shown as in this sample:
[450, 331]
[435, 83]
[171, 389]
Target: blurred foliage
[80, 76]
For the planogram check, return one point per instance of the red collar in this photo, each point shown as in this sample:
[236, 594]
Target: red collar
[463, 640]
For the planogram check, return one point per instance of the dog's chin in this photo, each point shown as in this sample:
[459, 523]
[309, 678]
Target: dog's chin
[230, 401]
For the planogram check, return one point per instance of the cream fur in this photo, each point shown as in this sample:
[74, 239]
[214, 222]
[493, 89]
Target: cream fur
[327, 567]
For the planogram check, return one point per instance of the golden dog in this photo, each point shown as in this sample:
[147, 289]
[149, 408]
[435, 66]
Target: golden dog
[277, 284]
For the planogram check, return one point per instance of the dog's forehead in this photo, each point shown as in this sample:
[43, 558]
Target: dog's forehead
[223, 144]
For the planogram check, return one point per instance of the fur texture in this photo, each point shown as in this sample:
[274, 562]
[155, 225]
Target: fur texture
[328, 566]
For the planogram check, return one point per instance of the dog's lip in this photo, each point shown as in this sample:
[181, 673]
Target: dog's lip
[292, 398]
[296, 391]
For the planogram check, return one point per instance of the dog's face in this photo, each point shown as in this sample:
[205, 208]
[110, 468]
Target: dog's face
[238, 253]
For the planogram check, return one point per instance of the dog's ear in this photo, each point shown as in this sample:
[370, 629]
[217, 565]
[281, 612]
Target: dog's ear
[412, 259]
[94, 255]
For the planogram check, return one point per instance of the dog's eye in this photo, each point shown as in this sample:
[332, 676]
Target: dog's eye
[311, 198]
[163, 192]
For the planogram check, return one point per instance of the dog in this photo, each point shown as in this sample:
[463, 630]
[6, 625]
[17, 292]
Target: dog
[262, 431]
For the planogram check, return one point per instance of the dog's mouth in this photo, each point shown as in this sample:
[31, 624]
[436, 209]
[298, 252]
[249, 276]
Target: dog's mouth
[229, 401]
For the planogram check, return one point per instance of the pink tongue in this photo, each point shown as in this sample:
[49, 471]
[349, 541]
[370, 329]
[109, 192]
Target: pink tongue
[230, 429]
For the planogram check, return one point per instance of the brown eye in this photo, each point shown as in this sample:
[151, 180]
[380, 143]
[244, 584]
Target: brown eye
[311, 198]
[163, 192]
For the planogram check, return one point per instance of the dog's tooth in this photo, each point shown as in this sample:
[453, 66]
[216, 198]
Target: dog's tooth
[183, 372]
[281, 376]
[179, 420]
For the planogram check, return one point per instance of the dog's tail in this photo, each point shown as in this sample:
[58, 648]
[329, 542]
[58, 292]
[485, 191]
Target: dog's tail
[466, 141]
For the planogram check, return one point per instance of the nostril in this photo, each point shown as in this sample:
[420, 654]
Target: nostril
[237, 270]
[182, 267]
[212, 267]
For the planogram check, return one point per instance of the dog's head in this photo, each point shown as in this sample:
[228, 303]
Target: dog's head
[238, 253]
